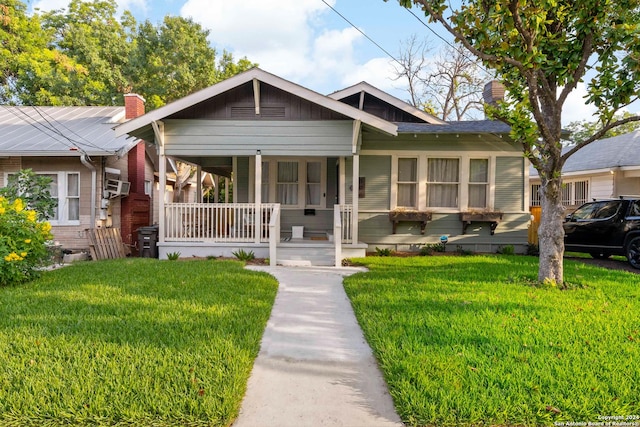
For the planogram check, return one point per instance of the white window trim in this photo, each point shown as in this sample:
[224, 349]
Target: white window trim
[416, 182]
[487, 183]
[272, 163]
[62, 195]
[463, 183]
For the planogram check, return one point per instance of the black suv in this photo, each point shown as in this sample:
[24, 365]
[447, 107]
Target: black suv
[605, 227]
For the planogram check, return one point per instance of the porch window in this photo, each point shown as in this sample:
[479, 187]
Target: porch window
[478, 183]
[287, 185]
[314, 183]
[407, 182]
[443, 180]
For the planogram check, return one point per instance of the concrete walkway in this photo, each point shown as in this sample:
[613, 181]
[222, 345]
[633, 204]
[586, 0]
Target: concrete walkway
[314, 367]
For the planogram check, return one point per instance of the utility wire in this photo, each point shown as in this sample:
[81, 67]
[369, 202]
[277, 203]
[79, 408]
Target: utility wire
[55, 129]
[23, 116]
[87, 142]
[362, 32]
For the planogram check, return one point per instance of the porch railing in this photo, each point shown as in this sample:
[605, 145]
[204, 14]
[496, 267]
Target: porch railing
[217, 222]
[346, 220]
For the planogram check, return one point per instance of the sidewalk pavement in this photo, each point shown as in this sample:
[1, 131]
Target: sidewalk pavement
[314, 367]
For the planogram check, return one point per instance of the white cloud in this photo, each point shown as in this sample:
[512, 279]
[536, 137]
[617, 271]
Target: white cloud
[575, 108]
[47, 5]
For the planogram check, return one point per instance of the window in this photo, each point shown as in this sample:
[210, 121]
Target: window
[65, 188]
[535, 195]
[442, 183]
[314, 183]
[575, 193]
[147, 187]
[287, 186]
[407, 183]
[478, 183]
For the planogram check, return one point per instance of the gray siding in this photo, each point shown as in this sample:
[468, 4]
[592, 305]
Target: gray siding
[375, 230]
[376, 171]
[322, 221]
[453, 143]
[509, 196]
[241, 181]
[199, 138]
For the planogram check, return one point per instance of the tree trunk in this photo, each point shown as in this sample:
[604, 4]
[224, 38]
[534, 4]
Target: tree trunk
[550, 232]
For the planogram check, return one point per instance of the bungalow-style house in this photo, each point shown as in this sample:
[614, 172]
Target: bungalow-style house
[320, 178]
[607, 168]
[100, 180]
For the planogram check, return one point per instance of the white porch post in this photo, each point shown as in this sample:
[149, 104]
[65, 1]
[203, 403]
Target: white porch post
[158, 130]
[198, 184]
[216, 190]
[355, 196]
[257, 197]
[342, 182]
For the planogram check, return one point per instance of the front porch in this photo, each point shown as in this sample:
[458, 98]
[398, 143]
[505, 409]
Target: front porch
[220, 229]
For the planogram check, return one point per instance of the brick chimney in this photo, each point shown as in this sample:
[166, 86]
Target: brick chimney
[493, 92]
[136, 208]
[133, 105]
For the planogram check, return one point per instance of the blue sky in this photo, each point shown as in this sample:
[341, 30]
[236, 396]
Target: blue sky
[306, 42]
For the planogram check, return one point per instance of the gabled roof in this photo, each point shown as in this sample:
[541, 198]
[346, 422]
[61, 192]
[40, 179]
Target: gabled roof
[622, 151]
[385, 97]
[61, 131]
[141, 125]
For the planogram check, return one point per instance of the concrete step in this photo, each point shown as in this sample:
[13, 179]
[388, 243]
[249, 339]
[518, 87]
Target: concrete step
[298, 255]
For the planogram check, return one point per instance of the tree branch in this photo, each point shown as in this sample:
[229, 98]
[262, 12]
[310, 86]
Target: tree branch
[462, 39]
[587, 49]
[599, 135]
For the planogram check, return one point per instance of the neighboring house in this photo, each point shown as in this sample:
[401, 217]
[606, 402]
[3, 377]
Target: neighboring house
[307, 167]
[604, 169]
[99, 180]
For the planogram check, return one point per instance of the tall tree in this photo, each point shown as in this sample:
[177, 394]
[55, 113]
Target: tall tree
[31, 72]
[174, 59]
[582, 130]
[448, 86]
[91, 34]
[541, 50]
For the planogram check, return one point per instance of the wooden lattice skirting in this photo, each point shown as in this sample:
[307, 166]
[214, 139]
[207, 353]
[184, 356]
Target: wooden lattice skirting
[106, 243]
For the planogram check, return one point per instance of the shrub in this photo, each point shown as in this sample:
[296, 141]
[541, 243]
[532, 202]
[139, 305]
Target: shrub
[33, 190]
[172, 256]
[384, 251]
[243, 255]
[22, 242]
[533, 249]
[506, 250]
[430, 249]
[462, 251]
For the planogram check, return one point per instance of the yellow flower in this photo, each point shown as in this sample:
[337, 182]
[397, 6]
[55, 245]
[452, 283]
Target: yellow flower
[27, 241]
[31, 216]
[23, 254]
[2, 211]
[18, 206]
[13, 257]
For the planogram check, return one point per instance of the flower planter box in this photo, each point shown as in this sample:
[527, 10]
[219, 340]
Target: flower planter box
[409, 216]
[493, 218]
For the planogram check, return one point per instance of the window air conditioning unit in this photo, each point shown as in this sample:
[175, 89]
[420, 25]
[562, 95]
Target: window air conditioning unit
[117, 188]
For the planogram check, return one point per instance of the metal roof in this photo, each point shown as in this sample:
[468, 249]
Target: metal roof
[61, 131]
[616, 152]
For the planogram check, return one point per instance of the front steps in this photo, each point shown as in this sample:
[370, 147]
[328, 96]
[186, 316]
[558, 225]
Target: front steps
[305, 253]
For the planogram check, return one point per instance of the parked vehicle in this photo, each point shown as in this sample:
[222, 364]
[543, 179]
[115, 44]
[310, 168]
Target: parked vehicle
[606, 227]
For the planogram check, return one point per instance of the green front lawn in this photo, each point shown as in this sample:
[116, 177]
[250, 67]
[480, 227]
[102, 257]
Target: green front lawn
[131, 342]
[471, 341]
